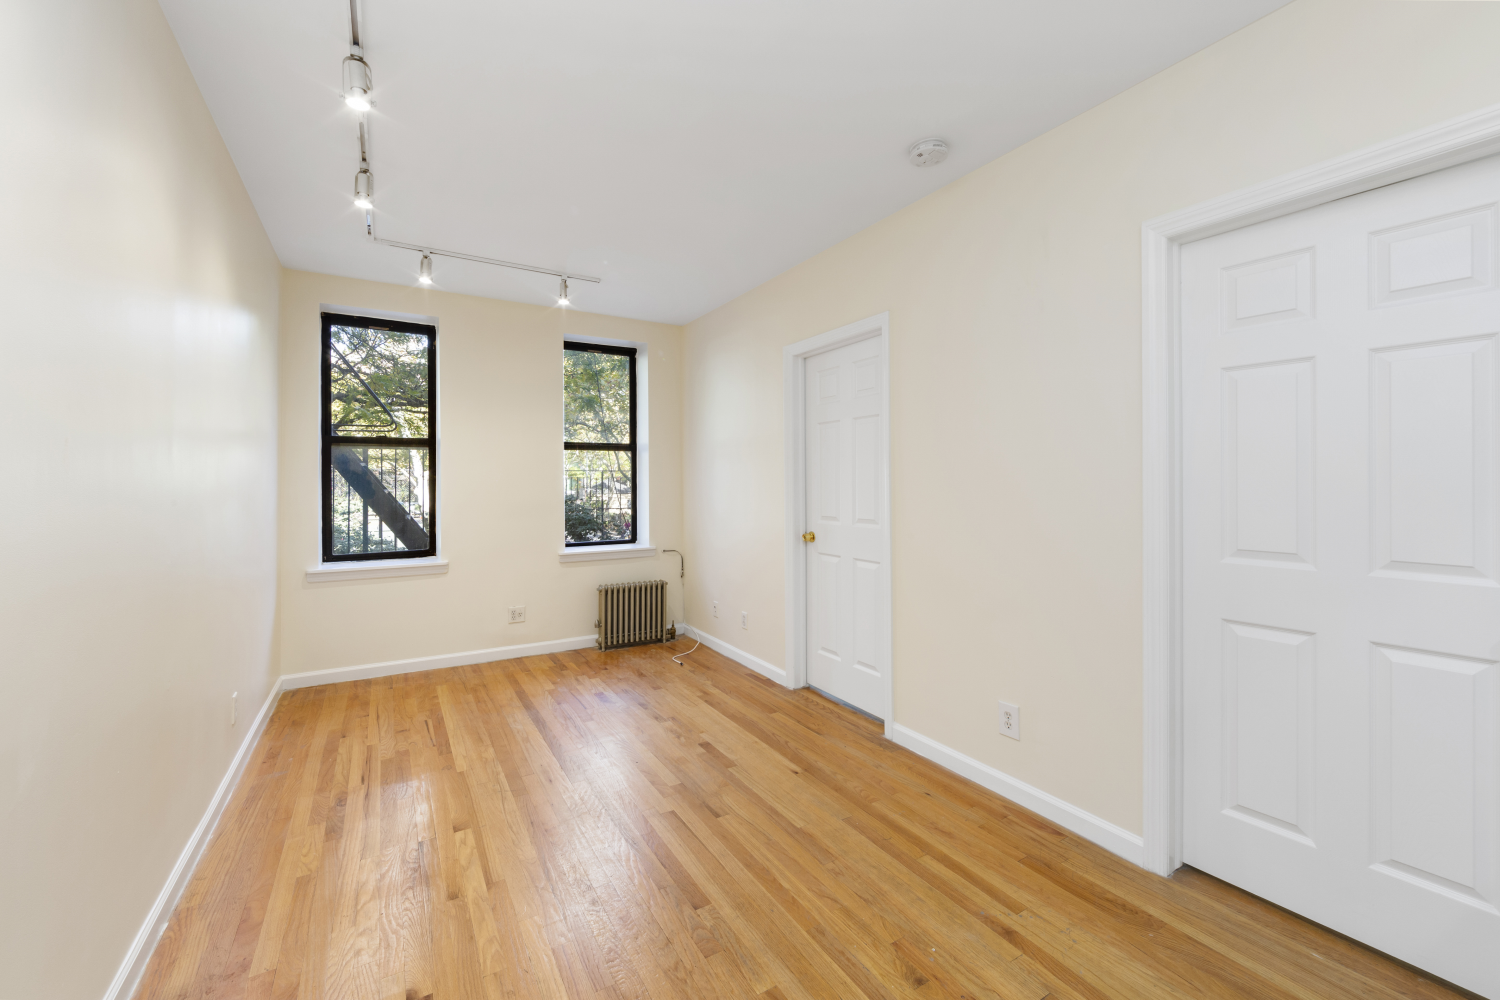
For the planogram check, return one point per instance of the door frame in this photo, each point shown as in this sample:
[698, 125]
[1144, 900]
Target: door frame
[1456, 141]
[794, 385]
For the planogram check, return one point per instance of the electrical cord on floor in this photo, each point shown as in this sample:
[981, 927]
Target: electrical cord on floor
[681, 574]
[679, 656]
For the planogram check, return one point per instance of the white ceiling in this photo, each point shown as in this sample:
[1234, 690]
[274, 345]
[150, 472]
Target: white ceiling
[684, 151]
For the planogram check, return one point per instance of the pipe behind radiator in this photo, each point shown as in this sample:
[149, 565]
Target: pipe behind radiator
[632, 613]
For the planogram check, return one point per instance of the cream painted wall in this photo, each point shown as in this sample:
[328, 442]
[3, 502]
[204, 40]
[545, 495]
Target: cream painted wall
[1014, 295]
[500, 469]
[138, 397]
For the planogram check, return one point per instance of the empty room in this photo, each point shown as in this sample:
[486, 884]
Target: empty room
[809, 500]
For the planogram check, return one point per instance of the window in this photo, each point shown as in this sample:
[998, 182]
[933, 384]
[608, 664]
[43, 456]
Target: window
[599, 439]
[379, 439]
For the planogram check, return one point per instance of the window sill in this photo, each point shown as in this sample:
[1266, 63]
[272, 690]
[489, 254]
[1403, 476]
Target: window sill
[375, 569]
[590, 552]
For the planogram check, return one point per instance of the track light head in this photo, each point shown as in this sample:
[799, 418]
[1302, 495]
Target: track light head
[424, 270]
[357, 84]
[364, 188]
[562, 292]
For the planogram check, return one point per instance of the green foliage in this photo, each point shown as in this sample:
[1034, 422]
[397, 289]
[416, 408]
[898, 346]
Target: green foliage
[379, 382]
[586, 520]
[596, 397]
[403, 473]
[597, 505]
[597, 500]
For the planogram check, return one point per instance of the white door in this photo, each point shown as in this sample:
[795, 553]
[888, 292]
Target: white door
[847, 562]
[1341, 600]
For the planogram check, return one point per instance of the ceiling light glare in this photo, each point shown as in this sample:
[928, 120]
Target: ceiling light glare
[562, 292]
[424, 270]
[364, 188]
[928, 153]
[357, 83]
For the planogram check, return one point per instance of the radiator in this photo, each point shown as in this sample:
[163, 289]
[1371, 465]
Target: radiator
[632, 613]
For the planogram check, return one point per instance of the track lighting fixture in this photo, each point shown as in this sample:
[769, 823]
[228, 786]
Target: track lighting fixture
[358, 86]
[357, 83]
[364, 188]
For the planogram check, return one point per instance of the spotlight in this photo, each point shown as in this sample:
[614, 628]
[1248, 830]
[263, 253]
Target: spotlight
[357, 83]
[364, 188]
[562, 292]
[424, 271]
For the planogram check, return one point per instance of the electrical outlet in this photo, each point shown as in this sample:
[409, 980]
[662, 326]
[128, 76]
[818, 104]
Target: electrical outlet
[1010, 720]
[744, 619]
[716, 609]
[234, 705]
[518, 614]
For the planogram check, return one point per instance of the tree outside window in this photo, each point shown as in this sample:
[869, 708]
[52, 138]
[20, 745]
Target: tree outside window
[379, 449]
[598, 444]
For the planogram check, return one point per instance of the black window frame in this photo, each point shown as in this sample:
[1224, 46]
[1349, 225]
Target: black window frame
[430, 442]
[629, 352]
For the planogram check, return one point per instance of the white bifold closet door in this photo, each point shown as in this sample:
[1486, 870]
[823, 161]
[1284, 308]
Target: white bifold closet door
[847, 563]
[1341, 550]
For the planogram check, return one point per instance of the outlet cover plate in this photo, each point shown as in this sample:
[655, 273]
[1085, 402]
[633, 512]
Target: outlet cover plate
[518, 614]
[1010, 720]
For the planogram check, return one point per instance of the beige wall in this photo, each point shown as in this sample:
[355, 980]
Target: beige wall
[500, 481]
[137, 393]
[1014, 295]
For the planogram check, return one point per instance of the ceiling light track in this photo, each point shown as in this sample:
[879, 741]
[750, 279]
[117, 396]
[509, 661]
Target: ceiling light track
[435, 252]
[354, 25]
[358, 86]
[358, 80]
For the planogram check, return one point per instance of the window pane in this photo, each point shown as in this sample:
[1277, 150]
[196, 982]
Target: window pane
[596, 397]
[380, 499]
[379, 383]
[597, 501]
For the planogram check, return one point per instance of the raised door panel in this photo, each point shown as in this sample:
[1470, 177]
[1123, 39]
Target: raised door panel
[1269, 728]
[827, 458]
[825, 621]
[1434, 749]
[1274, 290]
[1433, 471]
[1267, 456]
[867, 631]
[1435, 257]
[866, 470]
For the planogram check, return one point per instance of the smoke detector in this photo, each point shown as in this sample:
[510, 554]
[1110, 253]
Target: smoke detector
[928, 152]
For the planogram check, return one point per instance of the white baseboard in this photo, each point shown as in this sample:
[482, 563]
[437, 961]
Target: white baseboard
[1113, 838]
[128, 977]
[337, 675]
[1085, 824]
[738, 655]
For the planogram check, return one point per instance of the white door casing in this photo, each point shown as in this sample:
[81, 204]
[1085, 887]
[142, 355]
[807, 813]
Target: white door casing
[1341, 565]
[838, 486]
[1456, 141]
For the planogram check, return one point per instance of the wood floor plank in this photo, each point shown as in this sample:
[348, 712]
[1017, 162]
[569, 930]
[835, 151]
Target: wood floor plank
[617, 826]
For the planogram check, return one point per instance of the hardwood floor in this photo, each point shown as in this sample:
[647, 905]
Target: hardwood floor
[616, 826]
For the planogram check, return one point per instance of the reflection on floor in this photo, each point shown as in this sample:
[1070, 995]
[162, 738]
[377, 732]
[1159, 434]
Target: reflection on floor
[617, 826]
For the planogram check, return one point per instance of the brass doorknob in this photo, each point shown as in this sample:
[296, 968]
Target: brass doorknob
[808, 536]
